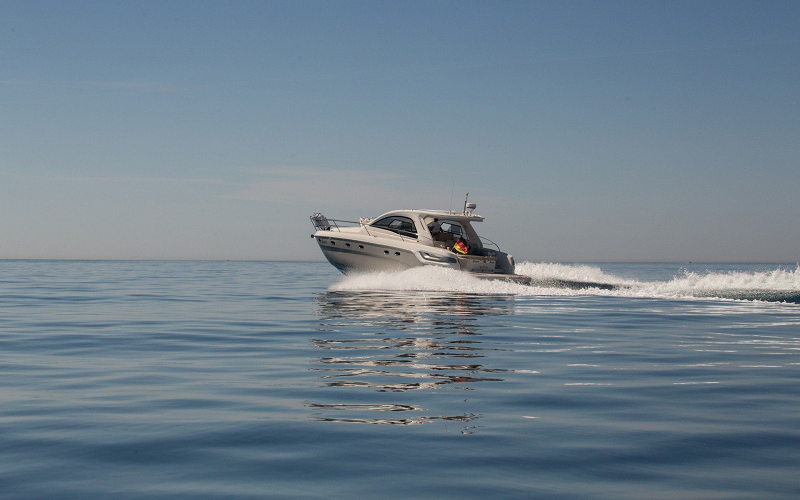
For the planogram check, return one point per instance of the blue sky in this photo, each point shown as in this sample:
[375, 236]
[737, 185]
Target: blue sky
[585, 131]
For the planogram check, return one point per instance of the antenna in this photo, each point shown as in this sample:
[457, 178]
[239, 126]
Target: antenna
[451, 196]
[465, 203]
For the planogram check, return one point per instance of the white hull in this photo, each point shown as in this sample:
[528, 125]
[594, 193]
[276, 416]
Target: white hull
[356, 253]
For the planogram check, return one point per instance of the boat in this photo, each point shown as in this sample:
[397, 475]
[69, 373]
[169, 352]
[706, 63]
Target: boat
[408, 238]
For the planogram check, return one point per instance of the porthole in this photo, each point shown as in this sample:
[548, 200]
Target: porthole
[361, 246]
[347, 244]
[397, 253]
[333, 242]
[386, 252]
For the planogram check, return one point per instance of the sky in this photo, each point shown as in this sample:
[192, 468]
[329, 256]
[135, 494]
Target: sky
[584, 131]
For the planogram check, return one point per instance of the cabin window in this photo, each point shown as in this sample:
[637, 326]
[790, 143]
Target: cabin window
[400, 225]
[455, 229]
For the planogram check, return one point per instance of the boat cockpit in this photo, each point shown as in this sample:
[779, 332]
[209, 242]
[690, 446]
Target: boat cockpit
[451, 231]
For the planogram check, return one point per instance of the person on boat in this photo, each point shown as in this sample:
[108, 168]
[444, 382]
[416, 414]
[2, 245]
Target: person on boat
[435, 228]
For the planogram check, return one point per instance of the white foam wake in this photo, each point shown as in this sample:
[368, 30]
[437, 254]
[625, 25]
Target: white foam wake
[429, 279]
[778, 279]
[775, 285]
[574, 272]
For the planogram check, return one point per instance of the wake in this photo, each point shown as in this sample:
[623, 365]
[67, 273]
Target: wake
[779, 285]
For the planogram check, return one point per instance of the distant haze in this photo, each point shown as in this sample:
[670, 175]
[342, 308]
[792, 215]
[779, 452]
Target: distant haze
[584, 131]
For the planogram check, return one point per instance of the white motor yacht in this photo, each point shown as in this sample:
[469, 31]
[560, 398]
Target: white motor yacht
[402, 239]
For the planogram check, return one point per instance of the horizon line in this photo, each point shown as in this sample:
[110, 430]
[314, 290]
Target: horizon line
[42, 259]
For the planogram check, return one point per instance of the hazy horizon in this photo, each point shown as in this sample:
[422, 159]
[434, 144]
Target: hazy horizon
[322, 260]
[586, 132]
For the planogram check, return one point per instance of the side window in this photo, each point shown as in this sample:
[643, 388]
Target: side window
[453, 228]
[383, 222]
[400, 225]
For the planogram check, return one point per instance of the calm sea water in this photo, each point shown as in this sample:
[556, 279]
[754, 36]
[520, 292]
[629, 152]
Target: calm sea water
[287, 380]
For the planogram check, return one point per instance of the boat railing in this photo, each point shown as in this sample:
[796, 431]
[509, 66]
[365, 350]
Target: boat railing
[484, 241]
[396, 233]
[322, 223]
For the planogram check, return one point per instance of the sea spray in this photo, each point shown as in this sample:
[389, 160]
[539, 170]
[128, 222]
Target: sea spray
[428, 279]
[570, 272]
[775, 285]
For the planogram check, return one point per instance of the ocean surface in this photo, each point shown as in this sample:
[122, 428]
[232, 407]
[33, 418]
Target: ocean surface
[290, 381]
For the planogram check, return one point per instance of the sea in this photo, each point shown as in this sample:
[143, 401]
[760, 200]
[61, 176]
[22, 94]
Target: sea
[289, 380]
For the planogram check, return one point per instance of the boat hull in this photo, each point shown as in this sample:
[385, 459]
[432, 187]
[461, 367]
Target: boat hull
[356, 254]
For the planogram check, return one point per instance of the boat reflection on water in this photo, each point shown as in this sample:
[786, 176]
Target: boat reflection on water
[402, 343]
